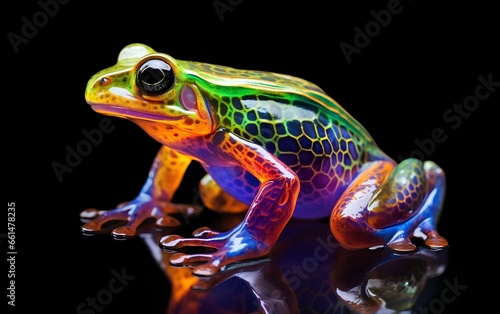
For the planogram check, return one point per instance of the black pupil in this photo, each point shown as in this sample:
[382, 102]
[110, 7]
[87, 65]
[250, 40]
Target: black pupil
[155, 77]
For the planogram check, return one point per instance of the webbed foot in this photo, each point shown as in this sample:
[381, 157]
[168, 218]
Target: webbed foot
[232, 246]
[135, 213]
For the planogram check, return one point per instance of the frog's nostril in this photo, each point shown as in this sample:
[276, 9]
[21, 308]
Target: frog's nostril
[104, 81]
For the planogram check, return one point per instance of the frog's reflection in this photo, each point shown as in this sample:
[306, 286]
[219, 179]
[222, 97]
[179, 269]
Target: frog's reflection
[382, 282]
[307, 272]
[253, 286]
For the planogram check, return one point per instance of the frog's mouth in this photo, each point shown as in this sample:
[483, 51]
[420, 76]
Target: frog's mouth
[130, 113]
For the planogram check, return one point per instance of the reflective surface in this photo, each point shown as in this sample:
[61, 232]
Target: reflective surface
[307, 272]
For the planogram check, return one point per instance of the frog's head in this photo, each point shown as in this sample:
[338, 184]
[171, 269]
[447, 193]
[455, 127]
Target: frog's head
[149, 88]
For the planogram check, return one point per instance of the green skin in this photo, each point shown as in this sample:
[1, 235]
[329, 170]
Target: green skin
[274, 145]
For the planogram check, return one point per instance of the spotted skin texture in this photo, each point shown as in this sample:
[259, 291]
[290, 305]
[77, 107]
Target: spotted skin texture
[274, 145]
[355, 226]
[400, 196]
[322, 151]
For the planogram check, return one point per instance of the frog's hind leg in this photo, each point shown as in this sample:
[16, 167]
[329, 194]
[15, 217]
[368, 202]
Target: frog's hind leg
[388, 205]
[422, 223]
[218, 200]
[433, 205]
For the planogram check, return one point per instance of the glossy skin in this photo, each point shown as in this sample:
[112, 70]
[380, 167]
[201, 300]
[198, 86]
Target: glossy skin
[274, 145]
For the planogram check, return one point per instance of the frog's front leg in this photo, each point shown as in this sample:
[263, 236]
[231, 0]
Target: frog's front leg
[153, 201]
[266, 217]
[388, 205]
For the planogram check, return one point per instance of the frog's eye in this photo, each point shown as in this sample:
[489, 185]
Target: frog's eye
[155, 77]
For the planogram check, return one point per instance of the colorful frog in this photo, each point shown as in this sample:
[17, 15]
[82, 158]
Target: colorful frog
[273, 145]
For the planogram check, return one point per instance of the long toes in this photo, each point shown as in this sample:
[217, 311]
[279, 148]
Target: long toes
[402, 245]
[207, 269]
[167, 222]
[124, 232]
[171, 241]
[96, 224]
[205, 232]
[185, 259]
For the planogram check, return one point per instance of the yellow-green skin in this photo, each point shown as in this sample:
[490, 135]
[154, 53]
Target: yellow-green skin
[272, 144]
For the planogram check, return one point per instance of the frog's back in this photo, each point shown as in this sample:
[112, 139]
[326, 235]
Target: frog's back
[269, 85]
[297, 122]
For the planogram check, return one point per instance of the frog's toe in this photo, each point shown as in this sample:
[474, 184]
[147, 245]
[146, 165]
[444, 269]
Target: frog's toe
[167, 222]
[124, 232]
[180, 259]
[97, 218]
[91, 227]
[205, 232]
[172, 242]
[431, 237]
[216, 262]
[208, 269]
[402, 245]
[435, 241]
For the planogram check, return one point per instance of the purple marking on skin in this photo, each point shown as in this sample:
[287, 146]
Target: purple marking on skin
[133, 113]
[352, 150]
[327, 163]
[188, 98]
[347, 159]
[339, 170]
[320, 181]
[305, 174]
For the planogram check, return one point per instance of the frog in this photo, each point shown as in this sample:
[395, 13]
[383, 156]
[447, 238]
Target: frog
[274, 147]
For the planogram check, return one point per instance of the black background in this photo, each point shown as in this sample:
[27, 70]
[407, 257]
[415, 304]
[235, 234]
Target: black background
[427, 59]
